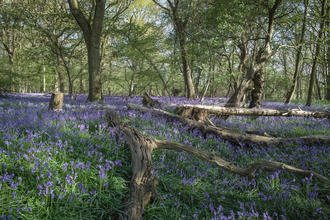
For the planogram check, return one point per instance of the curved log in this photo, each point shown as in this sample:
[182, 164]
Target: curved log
[249, 171]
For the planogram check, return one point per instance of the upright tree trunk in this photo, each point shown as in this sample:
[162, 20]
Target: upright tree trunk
[255, 67]
[92, 36]
[186, 69]
[315, 62]
[256, 94]
[296, 70]
[12, 78]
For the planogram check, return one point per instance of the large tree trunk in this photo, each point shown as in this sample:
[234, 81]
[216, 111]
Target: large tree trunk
[236, 138]
[266, 54]
[318, 49]
[258, 90]
[296, 70]
[92, 36]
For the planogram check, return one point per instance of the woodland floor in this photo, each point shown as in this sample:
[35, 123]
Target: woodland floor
[69, 165]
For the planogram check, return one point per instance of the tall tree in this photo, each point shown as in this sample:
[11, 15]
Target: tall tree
[317, 53]
[92, 29]
[10, 35]
[297, 64]
[179, 10]
[265, 53]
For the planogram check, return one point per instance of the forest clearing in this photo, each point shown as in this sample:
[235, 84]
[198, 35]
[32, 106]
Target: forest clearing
[72, 165]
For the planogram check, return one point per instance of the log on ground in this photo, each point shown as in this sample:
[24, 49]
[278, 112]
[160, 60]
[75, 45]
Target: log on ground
[258, 111]
[233, 137]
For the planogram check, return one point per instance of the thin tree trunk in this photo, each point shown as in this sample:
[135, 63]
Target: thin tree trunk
[318, 87]
[315, 62]
[296, 70]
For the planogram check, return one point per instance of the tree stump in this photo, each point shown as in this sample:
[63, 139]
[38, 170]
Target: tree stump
[148, 101]
[56, 101]
[196, 114]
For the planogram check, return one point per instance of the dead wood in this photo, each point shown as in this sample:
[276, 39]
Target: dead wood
[230, 167]
[56, 101]
[148, 101]
[258, 112]
[196, 114]
[143, 181]
[233, 137]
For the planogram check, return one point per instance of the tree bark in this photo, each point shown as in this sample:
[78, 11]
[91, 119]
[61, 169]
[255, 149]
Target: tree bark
[92, 36]
[296, 70]
[318, 49]
[236, 138]
[258, 90]
[143, 181]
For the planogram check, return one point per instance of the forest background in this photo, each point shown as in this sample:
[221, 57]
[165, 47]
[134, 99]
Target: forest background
[187, 46]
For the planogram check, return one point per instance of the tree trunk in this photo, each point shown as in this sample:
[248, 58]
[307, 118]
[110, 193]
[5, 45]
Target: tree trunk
[265, 55]
[256, 94]
[315, 62]
[92, 36]
[296, 70]
[56, 102]
[318, 87]
[186, 69]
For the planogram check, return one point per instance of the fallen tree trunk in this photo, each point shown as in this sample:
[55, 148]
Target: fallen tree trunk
[258, 112]
[144, 182]
[233, 137]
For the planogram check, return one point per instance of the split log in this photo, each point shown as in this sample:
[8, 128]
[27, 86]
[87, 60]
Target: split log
[143, 180]
[236, 138]
[56, 101]
[148, 101]
[258, 112]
